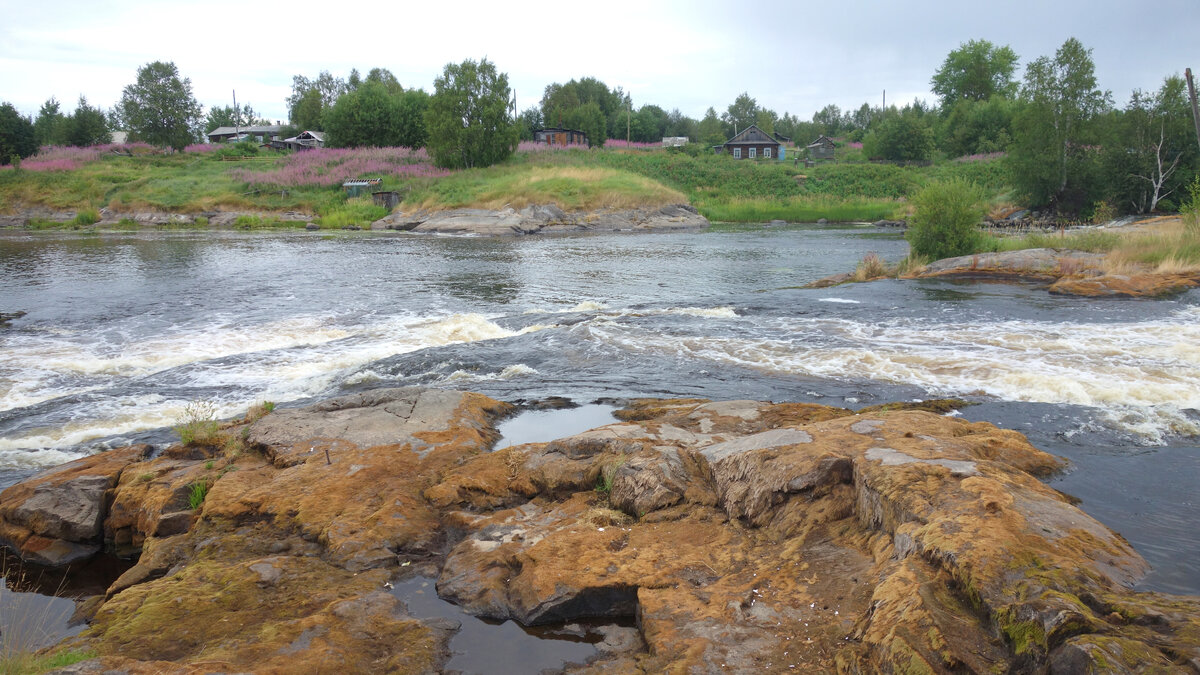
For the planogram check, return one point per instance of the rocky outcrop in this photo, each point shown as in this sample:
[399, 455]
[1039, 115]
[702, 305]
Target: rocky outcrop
[111, 218]
[57, 517]
[1062, 271]
[1040, 264]
[743, 536]
[541, 219]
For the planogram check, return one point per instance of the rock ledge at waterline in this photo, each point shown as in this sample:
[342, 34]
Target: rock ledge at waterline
[1062, 271]
[744, 537]
[542, 219]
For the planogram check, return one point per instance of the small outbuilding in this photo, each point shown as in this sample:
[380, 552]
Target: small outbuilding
[822, 148]
[674, 141]
[305, 140]
[752, 143]
[558, 136]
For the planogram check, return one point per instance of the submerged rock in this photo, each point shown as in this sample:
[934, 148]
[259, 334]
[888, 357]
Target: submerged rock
[743, 536]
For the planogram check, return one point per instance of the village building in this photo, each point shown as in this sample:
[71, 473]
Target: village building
[262, 133]
[753, 143]
[822, 148]
[305, 140]
[674, 141]
[559, 136]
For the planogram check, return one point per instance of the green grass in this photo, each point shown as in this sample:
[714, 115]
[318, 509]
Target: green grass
[517, 185]
[196, 493]
[27, 663]
[804, 209]
[358, 211]
[1094, 241]
[720, 187]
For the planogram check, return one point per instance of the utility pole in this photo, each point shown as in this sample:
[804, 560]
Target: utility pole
[884, 100]
[237, 118]
[628, 114]
[1195, 110]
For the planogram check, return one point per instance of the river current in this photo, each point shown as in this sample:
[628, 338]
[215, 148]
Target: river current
[123, 330]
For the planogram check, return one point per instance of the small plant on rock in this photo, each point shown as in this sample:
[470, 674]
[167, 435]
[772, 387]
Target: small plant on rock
[196, 494]
[199, 425]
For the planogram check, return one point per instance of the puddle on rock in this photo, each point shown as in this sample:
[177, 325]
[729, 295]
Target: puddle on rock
[490, 648]
[38, 603]
[541, 426]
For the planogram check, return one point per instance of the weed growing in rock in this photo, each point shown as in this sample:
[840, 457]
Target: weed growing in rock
[196, 494]
[199, 425]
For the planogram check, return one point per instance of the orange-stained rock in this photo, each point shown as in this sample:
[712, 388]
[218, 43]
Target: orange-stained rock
[1144, 285]
[744, 537]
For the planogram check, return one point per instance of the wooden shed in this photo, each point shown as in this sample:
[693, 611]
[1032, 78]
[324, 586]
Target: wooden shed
[753, 143]
[305, 140]
[822, 148]
[557, 136]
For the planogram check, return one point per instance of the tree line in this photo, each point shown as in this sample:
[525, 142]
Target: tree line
[1068, 146]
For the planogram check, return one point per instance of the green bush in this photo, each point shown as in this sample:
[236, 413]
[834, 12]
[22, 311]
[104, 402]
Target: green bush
[87, 217]
[945, 220]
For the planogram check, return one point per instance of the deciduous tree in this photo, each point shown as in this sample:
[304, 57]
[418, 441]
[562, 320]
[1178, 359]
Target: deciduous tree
[976, 71]
[740, 114]
[1053, 133]
[228, 116]
[469, 121]
[159, 107]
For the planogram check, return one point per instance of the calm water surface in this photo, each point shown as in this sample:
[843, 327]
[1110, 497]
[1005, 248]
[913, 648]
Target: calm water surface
[124, 330]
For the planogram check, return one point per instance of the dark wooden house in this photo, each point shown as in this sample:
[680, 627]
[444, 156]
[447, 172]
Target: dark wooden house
[753, 143]
[305, 140]
[822, 148]
[557, 136]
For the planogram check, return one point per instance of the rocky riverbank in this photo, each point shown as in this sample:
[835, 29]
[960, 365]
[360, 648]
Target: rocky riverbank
[1061, 271]
[542, 219]
[742, 536]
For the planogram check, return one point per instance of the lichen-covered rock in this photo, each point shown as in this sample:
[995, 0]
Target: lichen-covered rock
[743, 537]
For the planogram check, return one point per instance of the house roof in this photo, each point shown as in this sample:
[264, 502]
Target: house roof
[821, 140]
[556, 129]
[230, 131]
[752, 135]
[319, 135]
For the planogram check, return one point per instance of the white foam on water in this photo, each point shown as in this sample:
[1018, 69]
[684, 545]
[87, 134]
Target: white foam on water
[844, 301]
[705, 312]
[1142, 376]
[289, 367]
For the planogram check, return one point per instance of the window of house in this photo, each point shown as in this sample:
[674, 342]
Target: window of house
[752, 152]
[767, 153]
[737, 153]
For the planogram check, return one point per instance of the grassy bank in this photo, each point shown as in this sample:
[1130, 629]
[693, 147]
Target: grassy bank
[572, 188]
[126, 180]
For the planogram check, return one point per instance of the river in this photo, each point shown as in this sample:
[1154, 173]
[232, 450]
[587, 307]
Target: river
[123, 330]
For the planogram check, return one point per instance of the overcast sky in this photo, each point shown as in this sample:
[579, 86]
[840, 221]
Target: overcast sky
[790, 56]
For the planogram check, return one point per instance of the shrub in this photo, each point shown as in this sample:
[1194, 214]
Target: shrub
[1190, 208]
[870, 267]
[945, 220]
[87, 217]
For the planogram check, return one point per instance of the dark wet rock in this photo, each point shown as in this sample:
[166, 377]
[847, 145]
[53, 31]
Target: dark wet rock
[57, 516]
